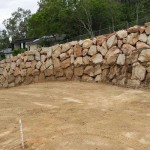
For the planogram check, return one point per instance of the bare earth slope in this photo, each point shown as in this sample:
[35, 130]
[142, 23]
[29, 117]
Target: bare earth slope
[75, 116]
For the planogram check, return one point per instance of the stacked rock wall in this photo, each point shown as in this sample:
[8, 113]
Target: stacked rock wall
[121, 58]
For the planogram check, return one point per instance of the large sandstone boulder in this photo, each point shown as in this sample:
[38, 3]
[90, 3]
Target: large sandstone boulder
[141, 45]
[121, 59]
[122, 34]
[11, 85]
[138, 72]
[78, 61]
[35, 72]
[28, 64]
[49, 52]
[112, 73]
[5, 73]
[18, 80]
[147, 30]
[77, 50]
[127, 49]
[41, 77]
[132, 38]
[98, 58]
[33, 64]
[136, 29]
[38, 65]
[58, 72]
[11, 78]
[2, 79]
[23, 72]
[29, 71]
[30, 57]
[78, 71]
[147, 24]
[13, 66]
[102, 50]
[48, 63]
[73, 43]
[133, 29]
[86, 60]
[87, 78]
[112, 55]
[87, 43]
[69, 72]
[144, 56]
[148, 40]
[5, 84]
[100, 39]
[65, 47]
[98, 70]
[112, 41]
[93, 50]
[1, 70]
[66, 63]
[56, 62]
[57, 52]
[63, 56]
[120, 43]
[148, 69]
[98, 78]
[17, 72]
[105, 74]
[132, 58]
[70, 52]
[143, 37]
[133, 83]
[49, 72]
[89, 70]
[85, 52]
[18, 62]
[43, 58]
[72, 59]
[122, 82]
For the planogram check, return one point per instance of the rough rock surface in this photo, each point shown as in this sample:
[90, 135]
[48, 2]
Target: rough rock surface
[121, 58]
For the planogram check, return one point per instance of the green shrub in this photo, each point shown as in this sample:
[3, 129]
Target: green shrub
[2, 56]
[18, 51]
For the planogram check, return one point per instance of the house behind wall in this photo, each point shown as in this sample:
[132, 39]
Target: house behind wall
[22, 43]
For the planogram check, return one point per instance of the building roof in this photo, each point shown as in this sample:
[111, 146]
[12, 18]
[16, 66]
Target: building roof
[6, 51]
[24, 40]
[51, 38]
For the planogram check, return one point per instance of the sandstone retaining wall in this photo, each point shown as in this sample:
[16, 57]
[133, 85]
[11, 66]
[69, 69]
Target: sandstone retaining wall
[121, 58]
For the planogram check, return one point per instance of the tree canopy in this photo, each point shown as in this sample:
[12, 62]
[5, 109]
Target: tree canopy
[74, 17]
[4, 40]
[17, 24]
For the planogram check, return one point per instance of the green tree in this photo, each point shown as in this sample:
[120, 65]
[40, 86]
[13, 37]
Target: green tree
[136, 9]
[73, 17]
[53, 17]
[4, 40]
[17, 24]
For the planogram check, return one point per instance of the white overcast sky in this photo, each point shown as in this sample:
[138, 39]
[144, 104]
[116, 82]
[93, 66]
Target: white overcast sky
[9, 6]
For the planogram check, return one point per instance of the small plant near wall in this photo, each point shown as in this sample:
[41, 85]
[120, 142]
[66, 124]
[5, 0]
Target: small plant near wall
[18, 51]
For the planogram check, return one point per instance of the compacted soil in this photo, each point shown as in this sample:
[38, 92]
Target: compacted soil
[75, 116]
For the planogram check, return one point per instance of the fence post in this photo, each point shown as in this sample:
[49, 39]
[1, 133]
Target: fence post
[146, 19]
[99, 32]
[109, 30]
[127, 24]
[79, 37]
[21, 132]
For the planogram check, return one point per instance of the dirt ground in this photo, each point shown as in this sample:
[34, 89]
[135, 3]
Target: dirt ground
[75, 116]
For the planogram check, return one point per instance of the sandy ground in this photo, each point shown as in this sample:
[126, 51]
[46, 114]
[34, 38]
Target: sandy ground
[75, 116]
